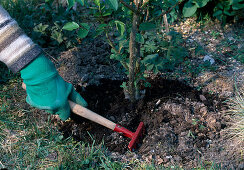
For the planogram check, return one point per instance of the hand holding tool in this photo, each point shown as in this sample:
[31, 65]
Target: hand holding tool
[88, 114]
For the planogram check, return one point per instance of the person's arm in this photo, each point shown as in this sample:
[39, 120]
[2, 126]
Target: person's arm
[16, 48]
[44, 86]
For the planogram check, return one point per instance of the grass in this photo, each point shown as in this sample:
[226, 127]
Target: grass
[236, 113]
[30, 140]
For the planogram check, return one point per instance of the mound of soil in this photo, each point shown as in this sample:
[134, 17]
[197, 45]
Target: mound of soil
[183, 125]
[88, 65]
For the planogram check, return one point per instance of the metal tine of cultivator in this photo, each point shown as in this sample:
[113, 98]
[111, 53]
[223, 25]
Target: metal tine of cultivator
[135, 137]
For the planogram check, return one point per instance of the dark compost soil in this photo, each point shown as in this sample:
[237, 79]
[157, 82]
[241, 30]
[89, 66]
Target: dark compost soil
[182, 124]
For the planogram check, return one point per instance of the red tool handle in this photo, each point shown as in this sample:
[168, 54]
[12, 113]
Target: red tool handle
[124, 131]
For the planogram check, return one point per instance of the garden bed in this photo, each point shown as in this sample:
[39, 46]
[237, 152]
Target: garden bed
[183, 125]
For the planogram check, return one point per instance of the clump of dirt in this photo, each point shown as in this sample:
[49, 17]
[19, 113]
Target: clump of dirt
[183, 125]
[88, 65]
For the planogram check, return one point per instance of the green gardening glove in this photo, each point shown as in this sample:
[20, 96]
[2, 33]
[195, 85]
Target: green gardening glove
[47, 90]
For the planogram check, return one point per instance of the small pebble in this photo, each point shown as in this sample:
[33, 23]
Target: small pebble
[202, 98]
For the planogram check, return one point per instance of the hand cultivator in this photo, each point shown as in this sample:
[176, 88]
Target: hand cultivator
[88, 114]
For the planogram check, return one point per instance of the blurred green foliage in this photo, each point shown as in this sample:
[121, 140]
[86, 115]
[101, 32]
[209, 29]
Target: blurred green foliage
[223, 10]
[43, 22]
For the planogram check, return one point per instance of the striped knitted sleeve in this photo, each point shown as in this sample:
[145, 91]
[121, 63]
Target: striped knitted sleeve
[16, 48]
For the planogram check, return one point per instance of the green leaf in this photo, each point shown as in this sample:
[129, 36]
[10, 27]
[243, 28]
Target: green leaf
[70, 3]
[147, 84]
[173, 15]
[229, 13]
[82, 2]
[107, 14]
[57, 36]
[189, 9]
[150, 67]
[84, 30]
[146, 26]
[97, 2]
[70, 26]
[98, 32]
[200, 3]
[40, 28]
[115, 57]
[220, 6]
[150, 46]
[113, 51]
[120, 27]
[224, 20]
[113, 4]
[100, 29]
[123, 85]
[85, 26]
[237, 6]
[82, 33]
[139, 38]
[149, 58]
[60, 137]
[172, 2]
[219, 12]
[102, 26]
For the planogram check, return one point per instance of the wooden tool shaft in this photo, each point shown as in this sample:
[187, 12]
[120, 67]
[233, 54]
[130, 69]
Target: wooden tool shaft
[88, 114]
